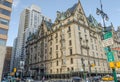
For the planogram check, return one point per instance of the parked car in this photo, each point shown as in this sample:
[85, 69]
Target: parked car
[96, 78]
[29, 79]
[107, 78]
[76, 79]
[4, 81]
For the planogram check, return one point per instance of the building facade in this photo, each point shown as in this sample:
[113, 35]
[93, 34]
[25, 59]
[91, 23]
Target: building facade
[5, 12]
[30, 19]
[13, 56]
[6, 69]
[69, 46]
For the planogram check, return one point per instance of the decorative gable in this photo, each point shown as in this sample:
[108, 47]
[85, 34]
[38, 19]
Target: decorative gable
[79, 14]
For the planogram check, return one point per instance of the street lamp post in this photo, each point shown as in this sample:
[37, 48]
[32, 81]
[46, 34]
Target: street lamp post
[103, 15]
[83, 66]
[105, 18]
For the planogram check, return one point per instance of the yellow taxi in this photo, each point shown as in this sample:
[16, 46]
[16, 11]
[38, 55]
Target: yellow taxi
[107, 78]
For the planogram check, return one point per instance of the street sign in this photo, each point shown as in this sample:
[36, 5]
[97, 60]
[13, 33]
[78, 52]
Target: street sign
[106, 49]
[107, 35]
[22, 63]
[107, 42]
[110, 57]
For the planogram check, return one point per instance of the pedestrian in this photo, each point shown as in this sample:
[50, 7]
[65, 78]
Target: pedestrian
[43, 79]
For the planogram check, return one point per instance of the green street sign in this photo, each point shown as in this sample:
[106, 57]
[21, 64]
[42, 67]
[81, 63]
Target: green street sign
[106, 49]
[107, 35]
[110, 57]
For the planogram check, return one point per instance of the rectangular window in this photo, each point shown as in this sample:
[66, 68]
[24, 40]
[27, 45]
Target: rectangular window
[57, 71]
[79, 34]
[69, 29]
[45, 51]
[57, 63]
[56, 40]
[98, 63]
[56, 47]
[85, 30]
[31, 50]
[69, 34]
[92, 47]
[50, 43]
[4, 21]
[96, 47]
[94, 62]
[6, 3]
[56, 35]
[91, 40]
[93, 54]
[71, 60]
[97, 54]
[51, 71]
[85, 36]
[62, 61]
[5, 12]
[56, 54]
[3, 31]
[2, 42]
[72, 69]
[70, 51]
[50, 50]
[70, 43]
[78, 27]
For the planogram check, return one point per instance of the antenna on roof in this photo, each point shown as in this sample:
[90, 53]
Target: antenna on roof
[78, 1]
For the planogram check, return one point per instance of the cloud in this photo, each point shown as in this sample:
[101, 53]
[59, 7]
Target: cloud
[16, 3]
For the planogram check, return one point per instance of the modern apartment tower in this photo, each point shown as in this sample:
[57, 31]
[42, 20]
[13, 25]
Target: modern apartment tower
[13, 57]
[5, 12]
[30, 19]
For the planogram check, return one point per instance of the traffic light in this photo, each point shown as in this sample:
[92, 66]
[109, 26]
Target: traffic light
[92, 65]
[14, 70]
[111, 64]
[118, 64]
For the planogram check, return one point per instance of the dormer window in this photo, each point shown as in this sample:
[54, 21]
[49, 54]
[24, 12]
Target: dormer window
[69, 29]
[80, 11]
[56, 35]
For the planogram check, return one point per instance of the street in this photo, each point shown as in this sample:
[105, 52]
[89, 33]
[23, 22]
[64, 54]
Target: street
[70, 81]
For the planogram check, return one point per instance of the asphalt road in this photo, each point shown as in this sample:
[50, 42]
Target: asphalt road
[82, 81]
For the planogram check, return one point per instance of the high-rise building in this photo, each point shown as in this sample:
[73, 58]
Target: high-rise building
[71, 46]
[7, 61]
[30, 19]
[13, 57]
[5, 12]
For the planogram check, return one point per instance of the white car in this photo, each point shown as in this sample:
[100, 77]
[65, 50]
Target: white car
[29, 80]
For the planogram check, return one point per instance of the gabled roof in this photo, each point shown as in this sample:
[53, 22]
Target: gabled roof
[72, 9]
[92, 21]
[64, 15]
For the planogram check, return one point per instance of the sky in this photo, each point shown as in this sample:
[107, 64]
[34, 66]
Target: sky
[49, 8]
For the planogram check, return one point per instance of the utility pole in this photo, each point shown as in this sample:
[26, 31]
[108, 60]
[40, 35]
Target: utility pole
[107, 35]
